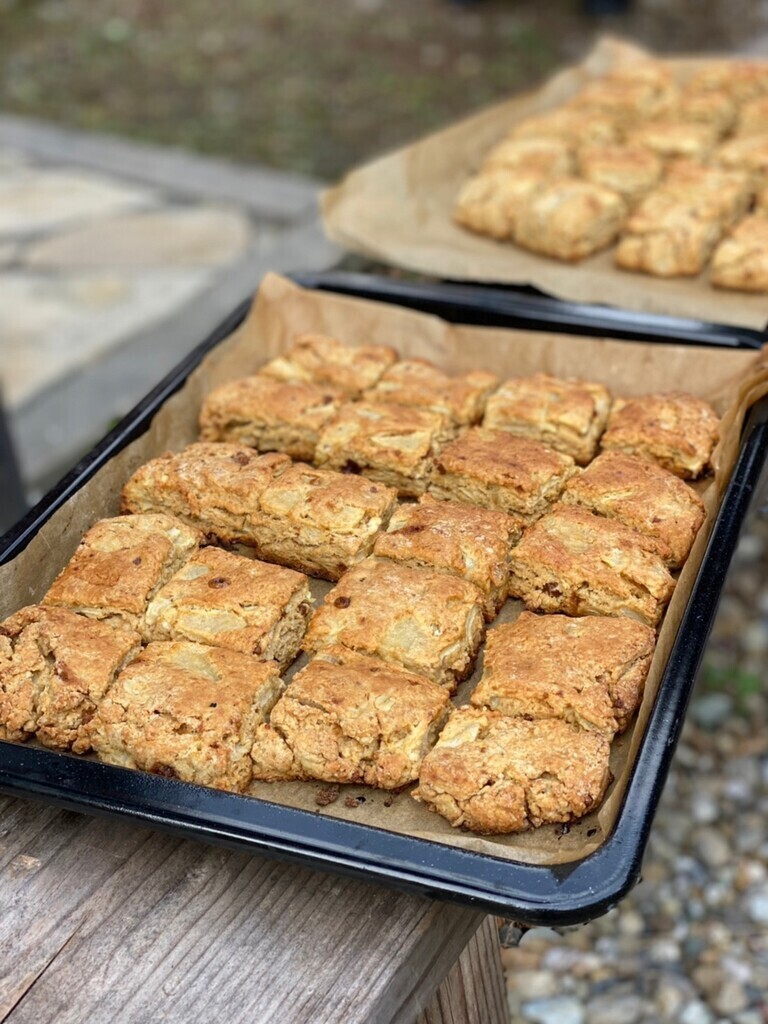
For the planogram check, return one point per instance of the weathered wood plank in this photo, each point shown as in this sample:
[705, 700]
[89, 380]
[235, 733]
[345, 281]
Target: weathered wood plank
[99, 917]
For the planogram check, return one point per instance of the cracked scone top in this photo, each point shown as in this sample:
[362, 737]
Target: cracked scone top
[326, 361]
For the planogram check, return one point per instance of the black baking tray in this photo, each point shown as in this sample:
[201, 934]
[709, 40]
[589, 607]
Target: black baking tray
[548, 895]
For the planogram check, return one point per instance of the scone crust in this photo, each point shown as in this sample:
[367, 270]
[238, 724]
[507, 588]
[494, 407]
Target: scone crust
[187, 711]
[578, 563]
[576, 127]
[420, 384]
[120, 564]
[489, 203]
[588, 671]
[495, 469]
[429, 622]
[744, 152]
[667, 237]
[55, 667]
[742, 80]
[496, 775]
[214, 486]
[540, 155]
[630, 170]
[269, 414]
[741, 260]
[393, 444]
[643, 495]
[348, 718]
[465, 540]
[672, 137]
[226, 600]
[322, 522]
[676, 430]
[567, 415]
[569, 219]
[326, 361]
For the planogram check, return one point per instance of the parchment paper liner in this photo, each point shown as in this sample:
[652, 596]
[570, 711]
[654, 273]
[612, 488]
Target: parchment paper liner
[731, 380]
[397, 209]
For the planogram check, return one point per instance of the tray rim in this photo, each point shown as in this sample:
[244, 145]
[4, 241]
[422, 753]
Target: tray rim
[553, 895]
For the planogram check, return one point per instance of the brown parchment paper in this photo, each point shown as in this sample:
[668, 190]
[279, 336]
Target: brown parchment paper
[731, 380]
[397, 209]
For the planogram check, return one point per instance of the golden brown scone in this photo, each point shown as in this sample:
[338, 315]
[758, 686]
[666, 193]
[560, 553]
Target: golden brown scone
[740, 79]
[533, 154]
[709, 191]
[667, 237]
[753, 117]
[631, 94]
[321, 522]
[744, 153]
[567, 415]
[216, 487]
[575, 127]
[347, 718]
[741, 259]
[187, 711]
[393, 444]
[588, 671]
[269, 415]
[428, 622]
[120, 564]
[630, 170]
[578, 563]
[229, 601]
[55, 667]
[569, 219]
[465, 540]
[327, 362]
[640, 494]
[493, 774]
[676, 430]
[495, 469]
[672, 137]
[489, 202]
[420, 384]
[713, 107]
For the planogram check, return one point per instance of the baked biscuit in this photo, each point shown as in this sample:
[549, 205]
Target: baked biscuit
[578, 563]
[667, 237]
[428, 622]
[744, 153]
[588, 671]
[675, 138]
[187, 711]
[420, 384]
[740, 79]
[640, 494]
[321, 522]
[712, 107]
[269, 415]
[393, 444]
[347, 718]
[489, 202]
[213, 486]
[753, 117]
[55, 667]
[575, 127]
[709, 191]
[569, 219]
[676, 430]
[464, 540]
[567, 415]
[632, 171]
[494, 469]
[741, 259]
[226, 600]
[120, 565]
[629, 94]
[325, 361]
[538, 155]
[493, 775]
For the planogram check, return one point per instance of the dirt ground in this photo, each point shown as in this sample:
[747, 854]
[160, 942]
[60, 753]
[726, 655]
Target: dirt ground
[306, 85]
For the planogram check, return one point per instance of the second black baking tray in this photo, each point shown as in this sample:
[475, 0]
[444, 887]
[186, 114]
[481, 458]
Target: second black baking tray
[552, 895]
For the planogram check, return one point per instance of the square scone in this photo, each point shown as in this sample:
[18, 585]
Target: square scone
[421, 385]
[741, 260]
[569, 218]
[496, 469]
[495, 775]
[327, 362]
[269, 415]
[744, 153]
[55, 667]
[567, 415]
[576, 127]
[629, 95]
[213, 486]
[676, 430]
[667, 237]
[120, 564]
[187, 711]
[393, 444]
[321, 522]
[348, 718]
[588, 671]
[713, 107]
[643, 495]
[465, 540]
[490, 202]
[675, 138]
[578, 563]
[742, 80]
[541, 155]
[632, 171]
[429, 622]
[225, 600]
[710, 192]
